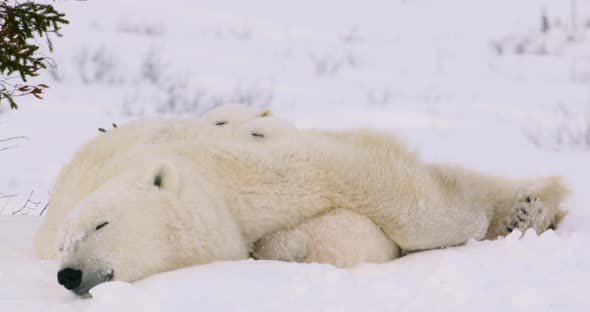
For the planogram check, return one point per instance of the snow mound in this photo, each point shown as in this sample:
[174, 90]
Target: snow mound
[549, 272]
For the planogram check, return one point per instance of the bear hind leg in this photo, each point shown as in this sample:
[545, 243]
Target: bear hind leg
[341, 237]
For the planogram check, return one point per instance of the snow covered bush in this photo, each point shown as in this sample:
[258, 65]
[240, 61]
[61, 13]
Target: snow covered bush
[567, 129]
[328, 64]
[183, 99]
[97, 67]
[5, 198]
[553, 37]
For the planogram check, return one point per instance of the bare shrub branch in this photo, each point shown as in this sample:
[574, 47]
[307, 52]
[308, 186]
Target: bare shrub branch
[28, 206]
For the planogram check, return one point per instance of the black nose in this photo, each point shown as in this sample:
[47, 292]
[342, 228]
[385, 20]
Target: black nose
[69, 278]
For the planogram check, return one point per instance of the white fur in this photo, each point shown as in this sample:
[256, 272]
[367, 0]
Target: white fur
[221, 194]
[344, 238]
[234, 115]
[340, 237]
[73, 182]
[264, 129]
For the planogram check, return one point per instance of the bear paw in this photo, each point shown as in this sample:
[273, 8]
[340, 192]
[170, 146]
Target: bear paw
[527, 211]
[537, 206]
[290, 246]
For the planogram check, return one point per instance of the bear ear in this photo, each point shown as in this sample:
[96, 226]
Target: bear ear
[264, 113]
[165, 177]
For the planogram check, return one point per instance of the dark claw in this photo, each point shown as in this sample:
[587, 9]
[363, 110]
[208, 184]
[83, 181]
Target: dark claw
[523, 211]
[509, 230]
[515, 224]
[520, 218]
[527, 199]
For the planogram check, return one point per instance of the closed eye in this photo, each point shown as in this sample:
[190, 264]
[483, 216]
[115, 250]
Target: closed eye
[100, 226]
[221, 123]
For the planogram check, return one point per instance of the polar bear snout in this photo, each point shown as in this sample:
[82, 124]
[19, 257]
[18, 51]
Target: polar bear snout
[81, 282]
[69, 278]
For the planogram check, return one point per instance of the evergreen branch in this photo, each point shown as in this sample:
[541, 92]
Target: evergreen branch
[20, 26]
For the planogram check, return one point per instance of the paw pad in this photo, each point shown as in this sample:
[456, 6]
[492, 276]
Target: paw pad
[527, 212]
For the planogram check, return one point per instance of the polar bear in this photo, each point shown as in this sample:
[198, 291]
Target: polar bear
[72, 185]
[190, 202]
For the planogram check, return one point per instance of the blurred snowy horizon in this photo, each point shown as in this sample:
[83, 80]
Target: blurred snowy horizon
[471, 70]
[189, 56]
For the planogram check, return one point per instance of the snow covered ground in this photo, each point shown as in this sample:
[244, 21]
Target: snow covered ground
[467, 82]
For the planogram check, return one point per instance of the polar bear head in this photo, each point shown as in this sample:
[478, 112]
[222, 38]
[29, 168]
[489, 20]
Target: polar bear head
[143, 222]
[264, 129]
[234, 115]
